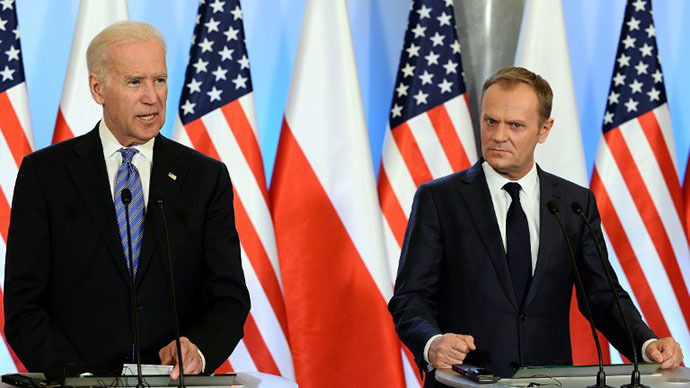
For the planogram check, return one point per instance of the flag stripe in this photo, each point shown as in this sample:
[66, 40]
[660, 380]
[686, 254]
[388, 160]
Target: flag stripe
[628, 259]
[200, 139]
[256, 254]
[62, 130]
[257, 348]
[429, 145]
[240, 359]
[655, 137]
[448, 137]
[364, 313]
[12, 130]
[650, 215]
[242, 130]
[411, 154]
[224, 368]
[394, 215]
[398, 175]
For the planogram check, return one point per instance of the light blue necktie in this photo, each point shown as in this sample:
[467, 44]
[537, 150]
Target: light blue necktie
[128, 177]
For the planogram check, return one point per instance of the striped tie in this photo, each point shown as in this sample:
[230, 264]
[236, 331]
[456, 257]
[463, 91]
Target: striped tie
[128, 177]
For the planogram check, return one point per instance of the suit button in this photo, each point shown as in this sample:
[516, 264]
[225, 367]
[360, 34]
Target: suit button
[140, 308]
[523, 317]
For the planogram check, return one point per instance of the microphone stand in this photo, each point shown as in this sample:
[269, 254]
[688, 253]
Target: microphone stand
[635, 377]
[601, 375]
[126, 197]
[173, 300]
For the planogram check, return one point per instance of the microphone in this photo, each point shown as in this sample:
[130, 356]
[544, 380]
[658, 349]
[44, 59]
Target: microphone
[601, 375]
[635, 377]
[126, 197]
[171, 283]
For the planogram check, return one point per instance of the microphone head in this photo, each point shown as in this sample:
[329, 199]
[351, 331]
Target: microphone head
[577, 208]
[553, 207]
[158, 197]
[126, 196]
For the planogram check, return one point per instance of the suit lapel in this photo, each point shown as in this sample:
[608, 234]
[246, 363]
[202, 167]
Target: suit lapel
[90, 177]
[549, 231]
[478, 201]
[167, 174]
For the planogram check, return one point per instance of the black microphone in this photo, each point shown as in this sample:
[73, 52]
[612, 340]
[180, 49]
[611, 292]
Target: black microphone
[635, 377]
[171, 282]
[601, 375]
[126, 197]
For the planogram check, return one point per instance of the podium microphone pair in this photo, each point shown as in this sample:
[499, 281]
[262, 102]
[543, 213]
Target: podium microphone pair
[601, 375]
[126, 196]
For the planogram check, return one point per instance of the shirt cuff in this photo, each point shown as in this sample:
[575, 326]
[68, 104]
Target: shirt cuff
[644, 349]
[429, 367]
[203, 360]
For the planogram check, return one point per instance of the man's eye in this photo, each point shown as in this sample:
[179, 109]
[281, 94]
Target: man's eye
[134, 82]
[491, 121]
[161, 80]
[517, 125]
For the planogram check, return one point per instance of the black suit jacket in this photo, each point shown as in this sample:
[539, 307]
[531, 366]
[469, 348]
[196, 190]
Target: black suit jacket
[454, 278]
[67, 300]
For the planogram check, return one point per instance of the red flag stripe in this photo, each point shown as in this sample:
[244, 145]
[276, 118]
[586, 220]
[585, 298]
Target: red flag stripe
[62, 130]
[242, 130]
[256, 254]
[4, 218]
[627, 258]
[583, 346]
[224, 368]
[652, 130]
[327, 331]
[448, 137]
[12, 130]
[257, 348]
[411, 154]
[392, 211]
[650, 216]
[200, 139]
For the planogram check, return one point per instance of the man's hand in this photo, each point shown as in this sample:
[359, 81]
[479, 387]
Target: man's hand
[666, 351]
[450, 349]
[190, 358]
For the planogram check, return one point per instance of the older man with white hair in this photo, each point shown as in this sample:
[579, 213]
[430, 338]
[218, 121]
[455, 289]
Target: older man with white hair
[67, 299]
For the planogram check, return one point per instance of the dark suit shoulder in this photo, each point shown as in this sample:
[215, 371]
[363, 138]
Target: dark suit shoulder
[454, 180]
[563, 184]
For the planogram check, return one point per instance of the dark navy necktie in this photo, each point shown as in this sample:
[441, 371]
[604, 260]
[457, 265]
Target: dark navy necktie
[517, 244]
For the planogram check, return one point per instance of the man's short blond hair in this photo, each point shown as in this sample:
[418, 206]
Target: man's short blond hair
[509, 77]
[118, 33]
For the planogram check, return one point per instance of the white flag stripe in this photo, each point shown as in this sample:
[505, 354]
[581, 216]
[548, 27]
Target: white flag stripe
[543, 48]
[411, 374]
[392, 249]
[653, 177]
[180, 133]
[20, 103]
[398, 175]
[9, 170]
[266, 321]
[615, 356]
[622, 278]
[459, 114]
[639, 240]
[5, 357]
[308, 114]
[429, 145]
[78, 108]
[245, 184]
[240, 359]
[663, 117]
[247, 104]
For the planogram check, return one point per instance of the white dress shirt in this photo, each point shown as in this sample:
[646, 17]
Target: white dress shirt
[143, 160]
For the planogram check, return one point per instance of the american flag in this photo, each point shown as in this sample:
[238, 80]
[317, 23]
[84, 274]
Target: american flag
[216, 117]
[430, 131]
[15, 140]
[636, 183]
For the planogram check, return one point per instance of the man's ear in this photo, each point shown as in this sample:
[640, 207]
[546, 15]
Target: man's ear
[96, 87]
[545, 129]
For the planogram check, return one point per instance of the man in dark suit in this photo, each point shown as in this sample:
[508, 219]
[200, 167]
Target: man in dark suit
[67, 299]
[485, 276]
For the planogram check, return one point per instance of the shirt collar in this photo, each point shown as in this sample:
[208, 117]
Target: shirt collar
[111, 145]
[496, 181]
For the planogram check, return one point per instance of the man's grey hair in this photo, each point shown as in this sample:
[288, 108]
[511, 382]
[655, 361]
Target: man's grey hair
[118, 33]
